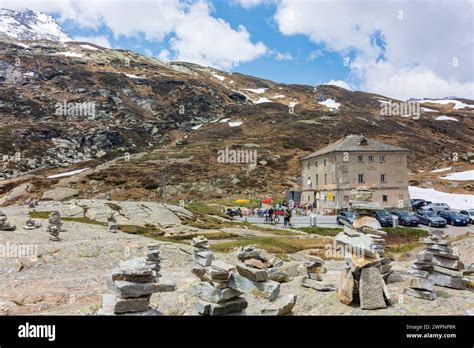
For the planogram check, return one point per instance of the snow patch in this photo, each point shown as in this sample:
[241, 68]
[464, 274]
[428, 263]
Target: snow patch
[263, 100]
[457, 104]
[197, 127]
[235, 124]
[467, 175]
[428, 110]
[89, 47]
[279, 96]
[134, 76]
[454, 200]
[441, 170]
[74, 172]
[446, 118]
[256, 91]
[331, 104]
[219, 77]
[69, 54]
[224, 120]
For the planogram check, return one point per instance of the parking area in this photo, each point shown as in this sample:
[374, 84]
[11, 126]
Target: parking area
[330, 221]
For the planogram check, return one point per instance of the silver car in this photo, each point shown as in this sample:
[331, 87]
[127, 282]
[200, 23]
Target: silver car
[436, 207]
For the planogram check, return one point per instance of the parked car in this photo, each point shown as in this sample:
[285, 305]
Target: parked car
[454, 218]
[383, 217]
[416, 204]
[234, 212]
[469, 214]
[406, 218]
[346, 216]
[436, 207]
[431, 219]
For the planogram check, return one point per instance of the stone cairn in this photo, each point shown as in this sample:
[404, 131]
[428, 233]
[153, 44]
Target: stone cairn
[31, 224]
[217, 291]
[112, 225]
[363, 245]
[261, 276]
[54, 226]
[313, 279]
[132, 284]
[5, 225]
[438, 265]
[153, 258]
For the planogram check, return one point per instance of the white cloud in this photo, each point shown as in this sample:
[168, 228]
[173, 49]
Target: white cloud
[164, 55]
[283, 56]
[249, 3]
[339, 83]
[102, 41]
[196, 36]
[314, 54]
[422, 39]
[203, 39]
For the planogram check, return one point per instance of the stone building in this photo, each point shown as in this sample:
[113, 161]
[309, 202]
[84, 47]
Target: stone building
[329, 174]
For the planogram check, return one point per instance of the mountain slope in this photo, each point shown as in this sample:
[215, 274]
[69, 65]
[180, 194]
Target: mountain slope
[67, 106]
[30, 25]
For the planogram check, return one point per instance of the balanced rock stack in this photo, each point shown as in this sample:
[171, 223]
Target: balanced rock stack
[254, 269]
[202, 255]
[314, 268]
[219, 294]
[438, 264]
[5, 225]
[112, 225]
[131, 286]
[153, 258]
[31, 224]
[54, 226]
[363, 248]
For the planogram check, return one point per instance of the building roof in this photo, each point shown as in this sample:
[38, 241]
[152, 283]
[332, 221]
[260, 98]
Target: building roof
[356, 143]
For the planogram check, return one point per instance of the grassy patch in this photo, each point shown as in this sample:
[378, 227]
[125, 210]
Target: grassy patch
[322, 231]
[82, 220]
[210, 236]
[204, 209]
[402, 240]
[202, 218]
[275, 245]
[146, 231]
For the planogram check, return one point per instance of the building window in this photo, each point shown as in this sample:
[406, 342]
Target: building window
[371, 158]
[382, 158]
[385, 198]
[325, 162]
[316, 163]
[317, 179]
[325, 179]
[360, 178]
[360, 159]
[308, 164]
[309, 199]
[382, 178]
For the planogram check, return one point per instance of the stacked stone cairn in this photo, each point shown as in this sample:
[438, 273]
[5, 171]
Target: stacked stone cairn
[438, 264]
[112, 225]
[131, 286]
[261, 276]
[363, 247]
[314, 270]
[153, 258]
[219, 295]
[5, 225]
[54, 226]
[31, 224]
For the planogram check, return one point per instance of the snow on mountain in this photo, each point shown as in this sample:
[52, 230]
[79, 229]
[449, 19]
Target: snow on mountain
[31, 25]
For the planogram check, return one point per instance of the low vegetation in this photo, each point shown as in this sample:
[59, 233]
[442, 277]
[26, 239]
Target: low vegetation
[401, 240]
[322, 231]
[82, 220]
[275, 245]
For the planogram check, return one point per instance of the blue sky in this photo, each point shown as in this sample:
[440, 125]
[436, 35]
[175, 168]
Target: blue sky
[398, 48]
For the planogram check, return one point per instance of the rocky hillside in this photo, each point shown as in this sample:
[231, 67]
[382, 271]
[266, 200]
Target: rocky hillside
[132, 120]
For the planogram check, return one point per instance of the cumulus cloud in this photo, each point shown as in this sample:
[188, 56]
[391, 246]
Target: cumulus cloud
[203, 39]
[400, 49]
[283, 56]
[100, 40]
[339, 83]
[196, 36]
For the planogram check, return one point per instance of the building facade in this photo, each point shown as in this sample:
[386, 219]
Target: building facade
[329, 175]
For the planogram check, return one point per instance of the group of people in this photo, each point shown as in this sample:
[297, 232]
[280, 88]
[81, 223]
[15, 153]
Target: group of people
[269, 214]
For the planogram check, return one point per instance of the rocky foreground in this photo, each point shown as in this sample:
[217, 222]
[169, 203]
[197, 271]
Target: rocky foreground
[70, 276]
